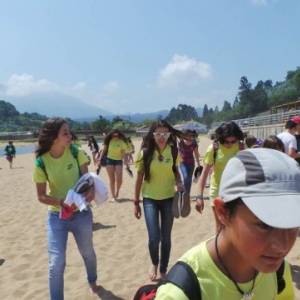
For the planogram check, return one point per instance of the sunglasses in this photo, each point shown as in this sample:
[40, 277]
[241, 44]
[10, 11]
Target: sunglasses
[161, 134]
[230, 142]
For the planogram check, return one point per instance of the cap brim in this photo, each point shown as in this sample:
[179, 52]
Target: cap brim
[280, 211]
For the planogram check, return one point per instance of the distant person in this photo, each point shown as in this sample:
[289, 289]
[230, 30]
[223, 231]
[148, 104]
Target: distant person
[273, 142]
[189, 157]
[58, 167]
[227, 143]
[157, 177]
[288, 137]
[10, 153]
[114, 149]
[258, 209]
[93, 145]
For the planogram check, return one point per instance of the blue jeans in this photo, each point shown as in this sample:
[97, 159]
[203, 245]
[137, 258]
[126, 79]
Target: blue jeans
[159, 232]
[81, 227]
[187, 175]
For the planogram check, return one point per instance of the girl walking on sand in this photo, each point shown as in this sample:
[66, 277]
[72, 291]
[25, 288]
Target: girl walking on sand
[57, 167]
[157, 177]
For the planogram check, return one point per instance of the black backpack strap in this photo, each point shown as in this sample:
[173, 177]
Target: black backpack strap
[280, 279]
[183, 276]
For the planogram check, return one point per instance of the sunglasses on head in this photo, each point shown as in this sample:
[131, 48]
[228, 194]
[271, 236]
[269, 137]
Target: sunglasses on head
[161, 134]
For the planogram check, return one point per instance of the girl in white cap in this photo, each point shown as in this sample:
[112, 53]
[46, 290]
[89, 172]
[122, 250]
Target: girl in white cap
[258, 209]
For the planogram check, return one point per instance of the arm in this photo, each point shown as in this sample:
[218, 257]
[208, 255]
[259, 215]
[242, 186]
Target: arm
[44, 198]
[200, 202]
[137, 191]
[197, 156]
[104, 150]
[293, 153]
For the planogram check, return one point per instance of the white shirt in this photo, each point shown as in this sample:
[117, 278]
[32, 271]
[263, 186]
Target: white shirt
[289, 141]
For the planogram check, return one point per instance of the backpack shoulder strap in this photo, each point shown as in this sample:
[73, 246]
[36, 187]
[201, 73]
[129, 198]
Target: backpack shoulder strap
[280, 279]
[40, 164]
[215, 150]
[74, 150]
[183, 276]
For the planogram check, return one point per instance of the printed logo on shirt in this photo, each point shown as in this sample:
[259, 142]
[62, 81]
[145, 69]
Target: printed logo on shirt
[70, 166]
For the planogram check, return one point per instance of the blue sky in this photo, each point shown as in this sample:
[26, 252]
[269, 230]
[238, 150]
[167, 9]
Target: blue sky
[142, 56]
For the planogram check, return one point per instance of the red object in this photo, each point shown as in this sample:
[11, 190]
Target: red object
[296, 119]
[66, 212]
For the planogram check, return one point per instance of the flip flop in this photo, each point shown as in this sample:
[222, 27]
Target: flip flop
[185, 205]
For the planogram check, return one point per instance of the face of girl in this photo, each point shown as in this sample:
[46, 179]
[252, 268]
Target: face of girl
[230, 141]
[64, 137]
[262, 246]
[161, 135]
[189, 138]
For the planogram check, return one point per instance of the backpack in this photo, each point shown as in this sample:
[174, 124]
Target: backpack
[181, 275]
[184, 277]
[216, 148]
[74, 151]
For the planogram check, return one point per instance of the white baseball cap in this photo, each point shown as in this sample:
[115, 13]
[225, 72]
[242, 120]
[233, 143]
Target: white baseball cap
[268, 182]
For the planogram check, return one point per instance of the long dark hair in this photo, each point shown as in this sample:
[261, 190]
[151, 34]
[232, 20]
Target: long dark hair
[226, 130]
[148, 145]
[47, 135]
[109, 136]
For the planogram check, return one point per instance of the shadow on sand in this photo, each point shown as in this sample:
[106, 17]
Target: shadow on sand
[296, 275]
[123, 200]
[98, 226]
[107, 295]
[2, 261]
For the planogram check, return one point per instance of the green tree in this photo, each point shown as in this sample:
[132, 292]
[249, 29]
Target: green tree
[101, 124]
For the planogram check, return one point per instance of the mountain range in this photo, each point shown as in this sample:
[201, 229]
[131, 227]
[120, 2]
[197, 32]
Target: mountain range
[58, 104]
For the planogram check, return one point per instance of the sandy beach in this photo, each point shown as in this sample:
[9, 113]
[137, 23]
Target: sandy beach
[120, 241]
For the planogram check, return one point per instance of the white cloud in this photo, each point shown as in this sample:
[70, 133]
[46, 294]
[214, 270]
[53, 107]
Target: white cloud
[183, 70]
[260, 2]
[25, 84]
[110, 87]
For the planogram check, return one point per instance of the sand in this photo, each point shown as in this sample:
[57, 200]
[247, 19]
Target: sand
[120, 241]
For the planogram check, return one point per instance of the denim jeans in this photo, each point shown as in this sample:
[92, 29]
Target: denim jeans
[159, 231]
[81, 227]
[186, 172]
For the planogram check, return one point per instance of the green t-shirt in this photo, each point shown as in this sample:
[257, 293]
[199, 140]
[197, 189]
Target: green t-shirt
[63, 173]
[162, 179]
[222, 157]
[217, 286]
[116, 149]
[10, 150]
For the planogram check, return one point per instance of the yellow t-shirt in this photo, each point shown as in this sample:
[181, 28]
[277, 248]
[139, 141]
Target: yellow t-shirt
[162, 179]
[216, 286]
[222, 157]
[63, 173]
[116, 149]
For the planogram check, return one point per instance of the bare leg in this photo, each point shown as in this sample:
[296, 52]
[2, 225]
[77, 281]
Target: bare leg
[119, 178]
[111, 174]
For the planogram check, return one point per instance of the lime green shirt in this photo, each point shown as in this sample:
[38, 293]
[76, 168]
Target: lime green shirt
[63, 173]
[222, 157]
[216, 286]
[162, 179]
[116, 149]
